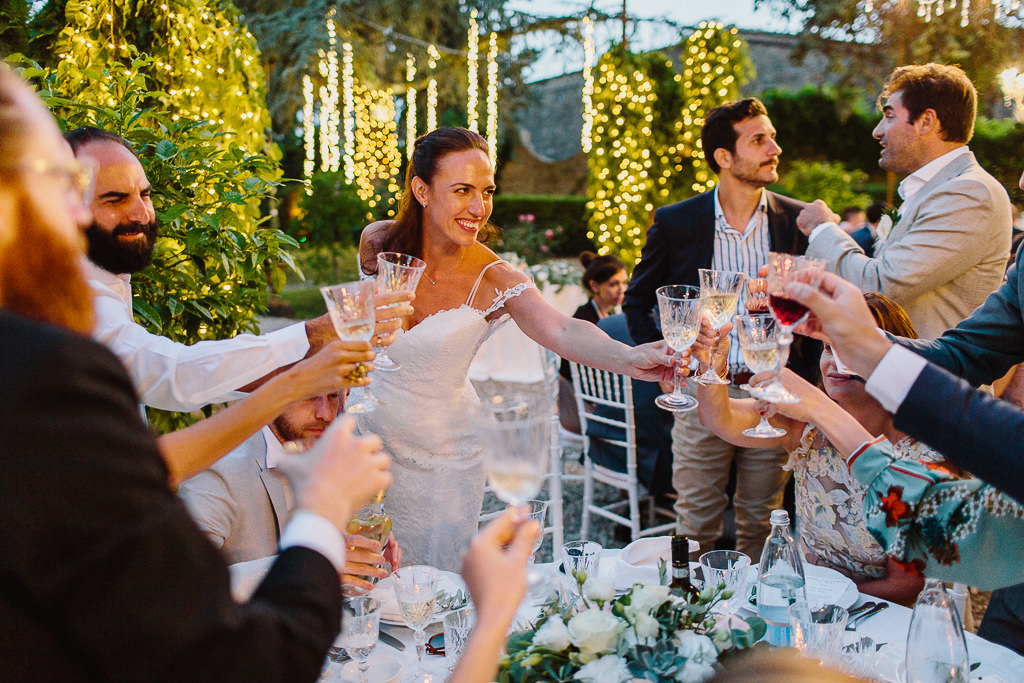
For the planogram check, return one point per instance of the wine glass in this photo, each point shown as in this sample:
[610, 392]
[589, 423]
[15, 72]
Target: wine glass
[783, 269]
[759, 343]
[720, 290]
[350, 306]
[728, 568]
[395, 273]
[416, 591]
[360, 629]
[680, 307]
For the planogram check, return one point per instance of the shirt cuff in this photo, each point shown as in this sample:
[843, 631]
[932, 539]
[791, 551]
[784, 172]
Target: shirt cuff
[310, 530]
[289, 344]
[894, 376]
[820, 229]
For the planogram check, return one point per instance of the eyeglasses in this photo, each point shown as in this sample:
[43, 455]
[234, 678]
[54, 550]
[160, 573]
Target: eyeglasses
[77, 175]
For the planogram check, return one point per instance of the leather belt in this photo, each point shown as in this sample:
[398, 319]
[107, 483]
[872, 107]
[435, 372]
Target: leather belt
[741, 378]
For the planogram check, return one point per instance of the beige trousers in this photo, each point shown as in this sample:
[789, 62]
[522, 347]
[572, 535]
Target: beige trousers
[700, 473]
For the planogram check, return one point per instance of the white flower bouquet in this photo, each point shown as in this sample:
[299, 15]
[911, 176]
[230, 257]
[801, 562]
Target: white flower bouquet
[644, 634]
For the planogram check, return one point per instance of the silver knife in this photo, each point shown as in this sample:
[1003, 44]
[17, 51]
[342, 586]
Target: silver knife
[391, 640]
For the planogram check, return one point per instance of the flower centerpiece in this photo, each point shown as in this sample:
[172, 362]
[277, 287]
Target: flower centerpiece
[645, 634]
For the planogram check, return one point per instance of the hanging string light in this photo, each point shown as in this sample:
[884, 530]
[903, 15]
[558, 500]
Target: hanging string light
[330, 152]
[472, 38]
[588, 84]
[410, 104]
[926, 9]
[348, 121]
[492, 97]
[432, 56]
[308, 133]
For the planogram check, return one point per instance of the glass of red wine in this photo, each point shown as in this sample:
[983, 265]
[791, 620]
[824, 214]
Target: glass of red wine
[783, 269]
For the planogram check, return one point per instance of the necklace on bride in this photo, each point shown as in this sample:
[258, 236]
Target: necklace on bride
[462, 254]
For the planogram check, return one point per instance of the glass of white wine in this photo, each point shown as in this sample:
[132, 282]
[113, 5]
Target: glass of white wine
[759, 341]
[721, 291]
[395, 273]
[416, 591]
[352, 312]
[680, 308]
[360, 630]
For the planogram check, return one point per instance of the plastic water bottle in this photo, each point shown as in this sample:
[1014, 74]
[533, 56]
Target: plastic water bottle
[781, 580]
[936, 647]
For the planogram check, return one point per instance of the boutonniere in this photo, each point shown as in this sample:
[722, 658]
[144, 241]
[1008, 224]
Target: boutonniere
[890, 217]
[893, 214]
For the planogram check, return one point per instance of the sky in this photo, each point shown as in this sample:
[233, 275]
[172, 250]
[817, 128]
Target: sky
[648, 34]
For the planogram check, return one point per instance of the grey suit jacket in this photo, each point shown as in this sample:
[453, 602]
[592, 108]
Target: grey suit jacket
[239, 503]
[945, 255]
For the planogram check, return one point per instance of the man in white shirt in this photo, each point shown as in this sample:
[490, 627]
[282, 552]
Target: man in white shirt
[167, 375]
[947, 250]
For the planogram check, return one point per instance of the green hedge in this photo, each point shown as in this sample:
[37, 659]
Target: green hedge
[540, 226]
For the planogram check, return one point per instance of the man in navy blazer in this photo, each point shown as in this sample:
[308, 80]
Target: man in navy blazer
[732, 227]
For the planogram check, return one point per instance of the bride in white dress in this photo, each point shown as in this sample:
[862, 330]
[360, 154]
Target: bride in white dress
[464, 295]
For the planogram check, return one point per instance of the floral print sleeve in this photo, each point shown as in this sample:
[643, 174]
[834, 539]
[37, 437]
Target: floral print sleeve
[933, 523]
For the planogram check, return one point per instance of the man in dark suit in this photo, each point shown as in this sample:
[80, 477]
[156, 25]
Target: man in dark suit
[104, 576]
[732, 227]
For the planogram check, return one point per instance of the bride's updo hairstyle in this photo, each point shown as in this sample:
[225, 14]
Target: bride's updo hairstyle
[599, 269]
[406, 232]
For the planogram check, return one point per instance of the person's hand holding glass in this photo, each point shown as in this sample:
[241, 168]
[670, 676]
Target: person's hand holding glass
[720, 290]
[680, 308]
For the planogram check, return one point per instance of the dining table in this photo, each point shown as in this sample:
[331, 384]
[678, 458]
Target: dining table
[887, 629]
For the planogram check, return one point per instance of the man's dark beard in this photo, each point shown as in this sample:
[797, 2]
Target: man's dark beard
[110, 253]
[287, 430]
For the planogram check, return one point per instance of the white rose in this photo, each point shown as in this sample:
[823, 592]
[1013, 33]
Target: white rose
[646, 626]
[599, 588]
[646, 599]
[697, 648]
[607, 669]
[594, 632]
[884, 227]
[553, 635]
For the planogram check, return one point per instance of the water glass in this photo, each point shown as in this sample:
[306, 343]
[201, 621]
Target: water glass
[728, 568]
[458, 626]
[360, 629]
[416, 591]
[580, 556]
[819, 632]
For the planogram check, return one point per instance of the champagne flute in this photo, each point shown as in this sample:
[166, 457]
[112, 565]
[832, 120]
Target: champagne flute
[680, 307]
[350, 306]
[759, 342]
[720, 290]
[516, 434]
[395, 273]
[416, 591]
[360, 630]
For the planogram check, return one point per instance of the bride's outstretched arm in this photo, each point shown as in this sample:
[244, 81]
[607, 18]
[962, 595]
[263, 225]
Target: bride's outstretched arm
[584, 342]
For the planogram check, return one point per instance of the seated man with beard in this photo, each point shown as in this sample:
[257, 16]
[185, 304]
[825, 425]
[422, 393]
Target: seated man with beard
[168, 375]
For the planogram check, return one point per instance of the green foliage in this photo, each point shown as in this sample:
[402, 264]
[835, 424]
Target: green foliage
[646, 134]
[829, 181]
[325, 264]
[209, 274]
[332, 216]
[538, 227]
[999, 147]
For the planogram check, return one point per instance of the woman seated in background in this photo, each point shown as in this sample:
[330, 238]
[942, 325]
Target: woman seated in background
[604, 280]
[829, 514]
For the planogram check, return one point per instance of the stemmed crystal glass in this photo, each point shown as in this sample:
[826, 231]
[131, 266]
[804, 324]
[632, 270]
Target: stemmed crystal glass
[728, 568]
[360, 629]
[352, 312]
[516, 435]
[720, 290]
[680, 307]
[759, 342]
[395, 273]
[783, 269]
[416, 591]
[756, 300]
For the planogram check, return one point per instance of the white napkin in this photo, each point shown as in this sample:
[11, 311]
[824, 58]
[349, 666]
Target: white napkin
[638, 561]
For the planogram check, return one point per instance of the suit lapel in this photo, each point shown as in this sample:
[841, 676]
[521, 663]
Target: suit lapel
[908, 211]
[272, 483]
[780, 237]
[703, 232]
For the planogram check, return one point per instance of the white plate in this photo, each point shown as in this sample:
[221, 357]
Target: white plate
[825, 586]
[383, 669]
[450, 582]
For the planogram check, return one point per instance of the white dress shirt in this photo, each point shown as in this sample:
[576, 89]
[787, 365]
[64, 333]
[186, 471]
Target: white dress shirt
[175, 376]
[894, 376]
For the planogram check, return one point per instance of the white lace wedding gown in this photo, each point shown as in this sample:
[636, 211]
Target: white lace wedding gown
[427, 428]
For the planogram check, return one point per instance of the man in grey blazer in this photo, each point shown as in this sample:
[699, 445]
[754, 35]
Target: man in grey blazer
[241, 503]
[947, 250]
